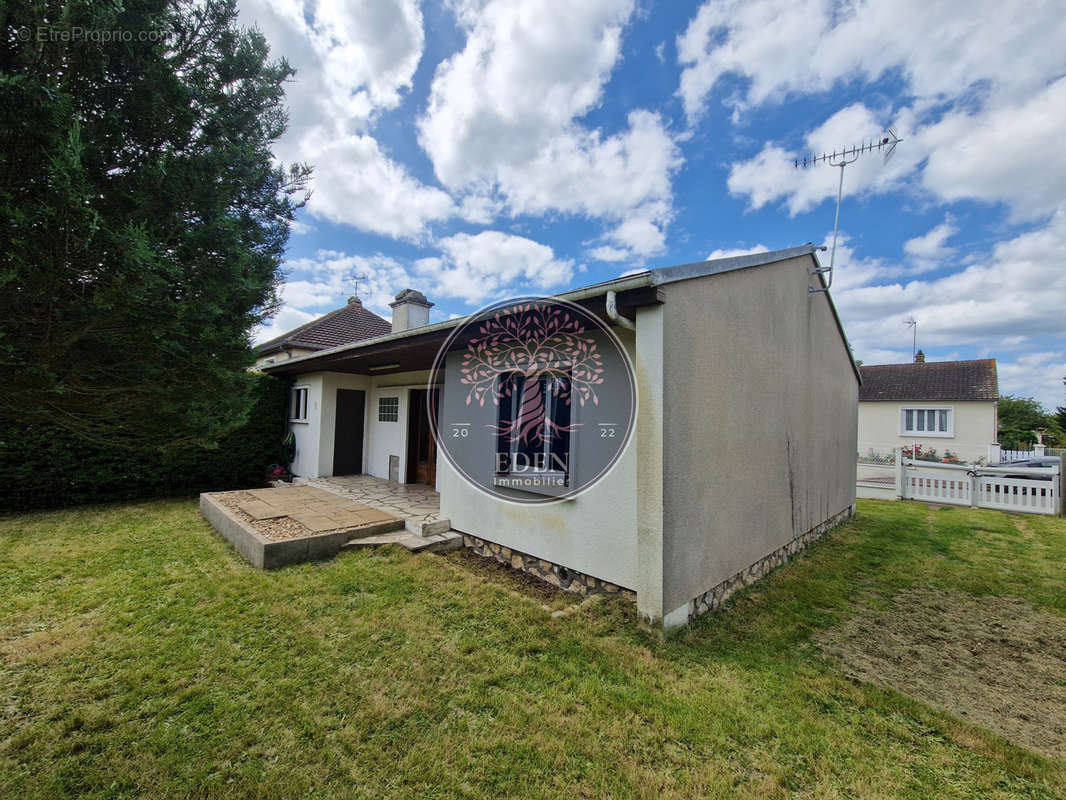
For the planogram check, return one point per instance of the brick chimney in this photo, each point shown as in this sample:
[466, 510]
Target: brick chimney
[355, 302]
[919, 357]
[409, 310]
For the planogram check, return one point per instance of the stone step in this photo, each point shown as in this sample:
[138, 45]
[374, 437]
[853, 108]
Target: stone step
[376, 528]
[419, 528]
[438, 542]
[449, 540]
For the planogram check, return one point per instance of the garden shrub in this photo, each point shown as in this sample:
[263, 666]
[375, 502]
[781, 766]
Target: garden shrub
[48, 467]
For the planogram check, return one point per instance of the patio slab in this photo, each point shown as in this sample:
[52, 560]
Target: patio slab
[275, 527]
[416, 504]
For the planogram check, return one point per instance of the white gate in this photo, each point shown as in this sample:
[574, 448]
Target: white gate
[1016, 494]
[981, 487]
[936, 485]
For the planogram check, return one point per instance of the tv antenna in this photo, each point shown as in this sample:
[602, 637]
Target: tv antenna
[912, 323]
[886, 144]
[355, 278]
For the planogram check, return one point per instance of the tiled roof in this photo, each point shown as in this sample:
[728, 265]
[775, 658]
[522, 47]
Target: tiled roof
[352, 323]
[931, 380]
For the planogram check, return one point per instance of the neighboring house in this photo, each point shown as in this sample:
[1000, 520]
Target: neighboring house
[352, 323]
[742, 451]
[945, 406]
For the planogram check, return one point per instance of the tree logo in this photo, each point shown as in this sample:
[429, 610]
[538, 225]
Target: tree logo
[535, 400]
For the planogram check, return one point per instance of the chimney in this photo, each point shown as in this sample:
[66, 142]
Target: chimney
[919, 357]
[410, 310]
[355, 302]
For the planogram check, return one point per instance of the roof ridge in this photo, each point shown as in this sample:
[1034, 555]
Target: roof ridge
[293, 336]
[959, 380]
[920, 363]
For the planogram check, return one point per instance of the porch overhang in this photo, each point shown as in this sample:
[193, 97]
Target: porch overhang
[415, 350]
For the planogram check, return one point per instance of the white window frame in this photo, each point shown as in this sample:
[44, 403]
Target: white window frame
[924, 434]
[294, 403]
[393, 408]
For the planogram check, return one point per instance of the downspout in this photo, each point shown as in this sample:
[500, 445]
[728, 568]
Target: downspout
[614, 316]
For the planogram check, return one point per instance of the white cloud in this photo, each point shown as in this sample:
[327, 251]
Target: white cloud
[608, 253]
[1036, 375]
[353, 57]
[502, 120]
[1011, 152]
[940, 49]
[736, 251]
[285, 320]
[491, 263]
[1019, 286]
[927, 250]
[308, 294]
[358, 185]
[984, 110]
[527, 70]
[472, 268]
[330, 277]
[771, 175]
[354, 60]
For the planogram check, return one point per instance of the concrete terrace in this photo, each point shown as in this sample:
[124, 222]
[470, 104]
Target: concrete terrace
[417, 505]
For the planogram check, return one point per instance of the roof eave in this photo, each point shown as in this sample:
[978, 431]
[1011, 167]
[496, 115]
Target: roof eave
[638, 280]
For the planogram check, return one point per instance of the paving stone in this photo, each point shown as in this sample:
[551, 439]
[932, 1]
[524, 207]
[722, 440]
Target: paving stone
[260, 510]
[316, 522]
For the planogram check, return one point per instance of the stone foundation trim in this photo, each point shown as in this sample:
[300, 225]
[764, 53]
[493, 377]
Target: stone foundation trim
[712, 599]
[568, 580]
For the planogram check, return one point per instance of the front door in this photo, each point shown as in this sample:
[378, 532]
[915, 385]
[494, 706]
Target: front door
[421, 446]
[348, 432]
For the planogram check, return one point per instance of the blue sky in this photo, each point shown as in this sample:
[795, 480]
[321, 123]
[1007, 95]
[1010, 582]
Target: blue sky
[476, 150]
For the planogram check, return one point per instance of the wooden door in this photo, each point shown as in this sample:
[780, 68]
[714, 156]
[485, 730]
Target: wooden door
[421, 446]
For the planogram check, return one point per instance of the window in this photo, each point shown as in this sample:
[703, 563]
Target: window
[937, 421]
[298, 404]
[537, 458]
[388, 409]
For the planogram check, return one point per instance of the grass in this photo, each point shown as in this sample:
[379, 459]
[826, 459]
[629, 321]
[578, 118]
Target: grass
[140, 657]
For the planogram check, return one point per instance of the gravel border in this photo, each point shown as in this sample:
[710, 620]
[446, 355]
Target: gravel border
[276, 529]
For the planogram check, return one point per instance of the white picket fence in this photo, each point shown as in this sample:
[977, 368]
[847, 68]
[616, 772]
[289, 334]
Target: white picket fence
[1016, 455]
[981, 487]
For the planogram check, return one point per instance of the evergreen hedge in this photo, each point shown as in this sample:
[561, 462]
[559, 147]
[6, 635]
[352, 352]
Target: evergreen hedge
[48, 467]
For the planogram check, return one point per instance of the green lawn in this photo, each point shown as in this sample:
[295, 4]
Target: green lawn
[141, 657]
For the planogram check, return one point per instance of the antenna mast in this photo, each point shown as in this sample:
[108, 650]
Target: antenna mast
[355, 278]
[913, 324]
[885, 143]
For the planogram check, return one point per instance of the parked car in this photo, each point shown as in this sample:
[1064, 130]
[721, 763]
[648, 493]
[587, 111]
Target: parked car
[1052, 464]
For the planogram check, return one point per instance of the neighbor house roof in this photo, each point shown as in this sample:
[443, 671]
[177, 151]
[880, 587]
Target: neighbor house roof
[931, 380]
[352, 323]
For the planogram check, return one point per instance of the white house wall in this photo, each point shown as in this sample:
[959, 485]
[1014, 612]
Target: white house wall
[315, 437]
[331, 382]
[974, 427]
[308, 434]
[387, 439]
[594, 533]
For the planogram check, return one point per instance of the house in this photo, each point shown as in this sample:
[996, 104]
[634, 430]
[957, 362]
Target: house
[729, 384]
[948, 408]
[351, 323]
